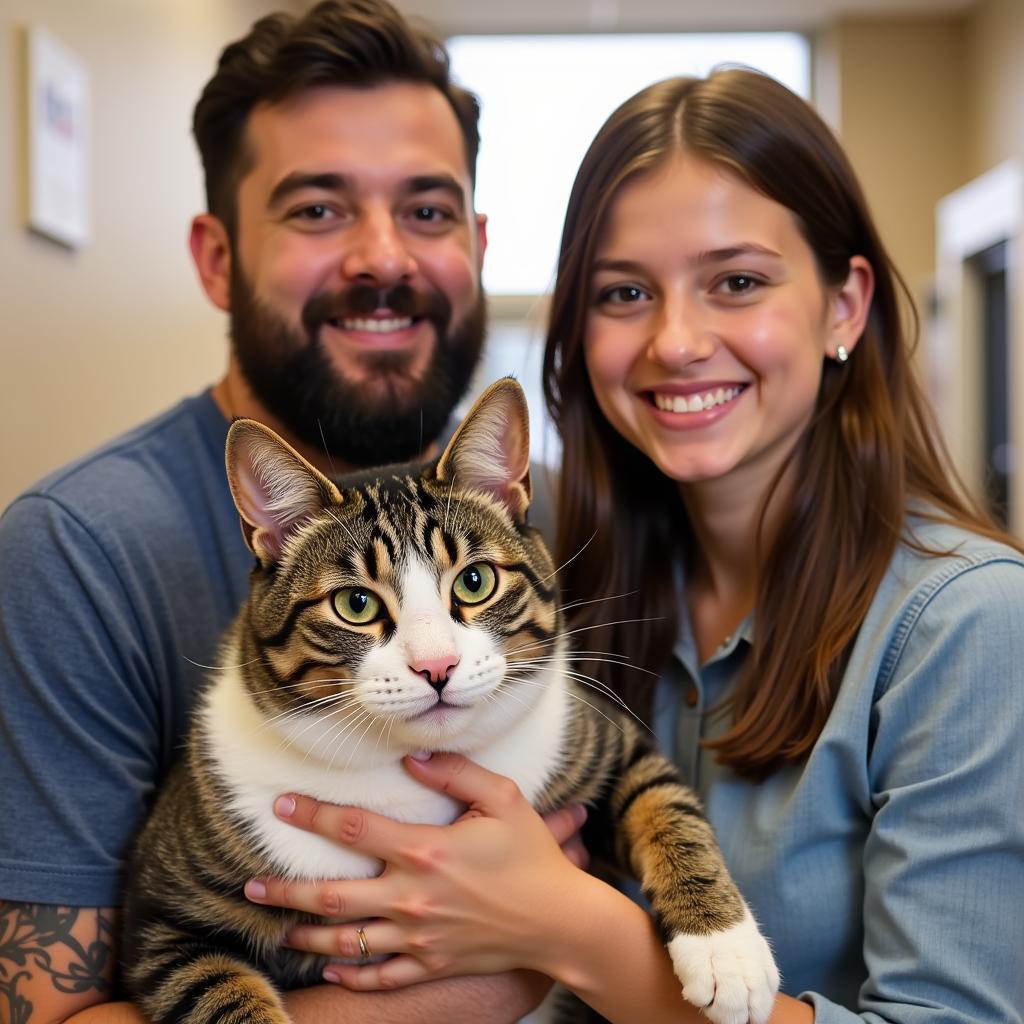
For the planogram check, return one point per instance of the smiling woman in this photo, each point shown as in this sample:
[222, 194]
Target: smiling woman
[709, 324]
[729, 370]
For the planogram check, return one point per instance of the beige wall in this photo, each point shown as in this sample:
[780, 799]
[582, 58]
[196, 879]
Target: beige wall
[995, 58]
[95, 340]
[895, 92]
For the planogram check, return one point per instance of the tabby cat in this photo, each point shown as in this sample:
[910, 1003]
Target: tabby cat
[388, 614]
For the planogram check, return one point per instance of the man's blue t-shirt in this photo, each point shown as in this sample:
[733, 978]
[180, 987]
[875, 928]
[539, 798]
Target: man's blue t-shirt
[118, 575]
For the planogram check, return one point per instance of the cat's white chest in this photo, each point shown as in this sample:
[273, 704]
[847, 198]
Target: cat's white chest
[256, 766]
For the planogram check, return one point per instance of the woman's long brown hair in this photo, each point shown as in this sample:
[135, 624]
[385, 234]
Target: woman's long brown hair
[871, 447]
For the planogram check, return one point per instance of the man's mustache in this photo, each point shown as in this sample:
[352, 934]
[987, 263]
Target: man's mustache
[361, 300]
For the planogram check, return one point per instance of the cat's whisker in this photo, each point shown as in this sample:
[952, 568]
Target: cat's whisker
[596, 600]
[583, 548]
[575, 696]
[362, 736]
[342, 734]
[502, 687]
[219, 668]
[309, 707]
[618, 660]
[448, 507]
[594, 684]
[318, 718]
[391, 724]
[343, 525]
[309, 683]
[555, 637]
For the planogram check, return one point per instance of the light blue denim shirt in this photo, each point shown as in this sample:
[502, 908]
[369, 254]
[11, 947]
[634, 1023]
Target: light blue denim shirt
[887, 869]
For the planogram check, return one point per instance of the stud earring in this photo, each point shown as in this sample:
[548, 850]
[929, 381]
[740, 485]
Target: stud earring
[841, 354]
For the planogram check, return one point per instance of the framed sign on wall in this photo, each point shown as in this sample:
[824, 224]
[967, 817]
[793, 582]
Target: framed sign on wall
[58, 120]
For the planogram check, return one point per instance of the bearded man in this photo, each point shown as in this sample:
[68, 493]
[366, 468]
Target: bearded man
[342, 241]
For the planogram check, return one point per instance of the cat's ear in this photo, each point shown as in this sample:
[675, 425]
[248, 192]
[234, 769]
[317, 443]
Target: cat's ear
[275, 489]
[490, 451]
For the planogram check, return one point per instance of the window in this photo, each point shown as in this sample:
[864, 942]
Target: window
[543, 99]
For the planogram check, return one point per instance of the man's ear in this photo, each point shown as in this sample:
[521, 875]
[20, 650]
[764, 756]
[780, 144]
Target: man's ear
[481, 240]
[211, 252]
[850, 306]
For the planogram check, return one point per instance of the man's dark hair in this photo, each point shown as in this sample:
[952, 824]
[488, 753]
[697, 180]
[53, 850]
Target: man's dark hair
[355, 43]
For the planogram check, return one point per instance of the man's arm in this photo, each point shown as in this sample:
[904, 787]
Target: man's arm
[54, 961]
[57, 964]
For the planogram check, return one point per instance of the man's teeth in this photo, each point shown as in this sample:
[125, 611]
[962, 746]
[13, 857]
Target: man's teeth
[377, 326]
[695, 403]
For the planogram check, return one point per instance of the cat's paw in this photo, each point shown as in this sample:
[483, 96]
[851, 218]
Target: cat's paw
[731, 975]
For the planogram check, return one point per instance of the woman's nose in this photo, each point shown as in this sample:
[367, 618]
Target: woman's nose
[681, 336]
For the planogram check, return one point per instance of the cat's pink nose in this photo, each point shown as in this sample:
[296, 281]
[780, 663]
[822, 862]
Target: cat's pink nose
[436, 671]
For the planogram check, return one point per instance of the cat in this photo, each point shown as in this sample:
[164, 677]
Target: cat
[406, 610]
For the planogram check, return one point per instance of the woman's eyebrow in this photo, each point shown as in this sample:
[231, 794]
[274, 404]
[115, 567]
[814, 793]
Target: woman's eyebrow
[731, 252]
[722, 255]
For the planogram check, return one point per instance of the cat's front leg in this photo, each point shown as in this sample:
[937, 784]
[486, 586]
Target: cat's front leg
[724, 963]
[201, 986]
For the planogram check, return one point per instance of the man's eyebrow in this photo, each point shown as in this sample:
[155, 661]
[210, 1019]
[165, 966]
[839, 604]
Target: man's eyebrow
[299, 180]
[331, 181]
[434, 182]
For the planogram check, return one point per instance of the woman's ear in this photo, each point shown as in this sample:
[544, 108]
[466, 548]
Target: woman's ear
[849, 307]
[211, 252]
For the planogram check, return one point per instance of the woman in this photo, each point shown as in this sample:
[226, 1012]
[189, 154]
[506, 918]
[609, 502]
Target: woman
[844, 631]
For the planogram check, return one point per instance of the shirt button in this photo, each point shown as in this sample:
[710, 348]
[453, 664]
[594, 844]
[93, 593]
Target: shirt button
[691, 696]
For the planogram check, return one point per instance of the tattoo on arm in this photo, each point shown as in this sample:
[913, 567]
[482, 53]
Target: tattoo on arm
[56, 942]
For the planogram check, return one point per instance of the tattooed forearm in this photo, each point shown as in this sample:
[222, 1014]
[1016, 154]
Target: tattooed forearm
[70, 947]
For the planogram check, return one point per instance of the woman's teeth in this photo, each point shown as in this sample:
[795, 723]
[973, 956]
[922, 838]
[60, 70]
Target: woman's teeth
[377, 326]
[695, 403]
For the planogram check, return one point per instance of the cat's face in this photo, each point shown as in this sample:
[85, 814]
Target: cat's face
[402, 612]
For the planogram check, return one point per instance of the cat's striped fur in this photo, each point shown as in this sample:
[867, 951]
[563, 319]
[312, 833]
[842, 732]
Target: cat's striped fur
[308, 702]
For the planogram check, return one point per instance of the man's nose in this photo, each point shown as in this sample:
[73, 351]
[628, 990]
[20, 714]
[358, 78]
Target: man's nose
[376, 252]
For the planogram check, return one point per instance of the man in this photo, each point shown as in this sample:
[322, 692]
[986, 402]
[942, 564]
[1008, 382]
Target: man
[342, 240]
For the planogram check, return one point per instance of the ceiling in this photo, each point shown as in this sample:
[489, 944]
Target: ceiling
[509, 16]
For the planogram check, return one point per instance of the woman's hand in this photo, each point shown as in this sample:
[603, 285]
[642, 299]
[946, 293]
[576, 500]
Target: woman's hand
[480, 896]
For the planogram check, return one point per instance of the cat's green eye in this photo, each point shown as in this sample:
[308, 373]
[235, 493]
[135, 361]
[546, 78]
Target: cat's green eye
[357, 605]
[475, 583]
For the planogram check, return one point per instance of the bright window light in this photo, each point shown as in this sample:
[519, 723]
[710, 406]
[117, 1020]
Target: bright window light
[543, 99]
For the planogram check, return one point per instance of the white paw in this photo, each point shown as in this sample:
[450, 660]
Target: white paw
[731, 975]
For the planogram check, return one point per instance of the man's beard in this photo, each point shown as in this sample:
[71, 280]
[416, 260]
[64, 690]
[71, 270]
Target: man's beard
[295, 380]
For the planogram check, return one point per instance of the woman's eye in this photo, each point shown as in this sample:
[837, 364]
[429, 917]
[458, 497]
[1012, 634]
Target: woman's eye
[475, 583]
[357, 605]
[623, 293]
[738, 284]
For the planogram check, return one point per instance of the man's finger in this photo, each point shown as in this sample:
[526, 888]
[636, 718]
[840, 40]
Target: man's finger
[565, 823]
[576, 852]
